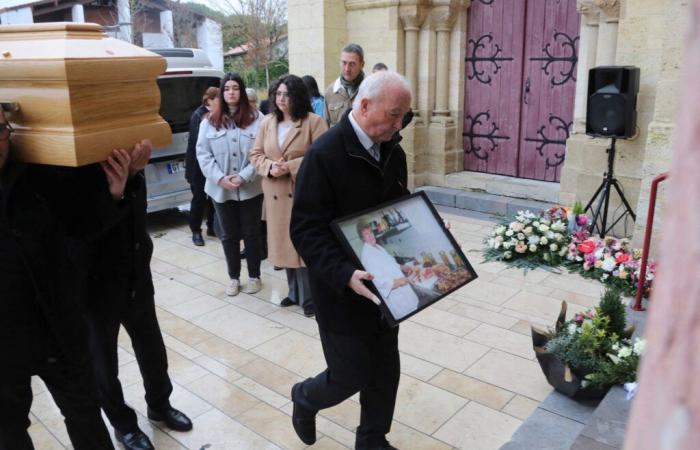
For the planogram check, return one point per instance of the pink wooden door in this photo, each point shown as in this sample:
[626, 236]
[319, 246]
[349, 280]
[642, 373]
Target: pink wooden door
[551, 43]
[494, 71]
[520, 88]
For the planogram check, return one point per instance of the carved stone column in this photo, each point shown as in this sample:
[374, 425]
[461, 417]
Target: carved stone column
[443, 17]
[587, 50]
[607, 34]
[412, 14]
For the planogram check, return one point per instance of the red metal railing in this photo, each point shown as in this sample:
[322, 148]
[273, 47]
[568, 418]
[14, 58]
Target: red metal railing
[647, 241]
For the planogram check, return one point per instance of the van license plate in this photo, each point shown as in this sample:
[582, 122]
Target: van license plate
[176, 167]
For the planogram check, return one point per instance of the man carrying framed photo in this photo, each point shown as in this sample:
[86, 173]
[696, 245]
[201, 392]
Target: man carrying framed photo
[354, 166]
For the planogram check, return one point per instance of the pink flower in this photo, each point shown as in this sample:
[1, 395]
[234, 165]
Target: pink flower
[621, 257]
[578, 317]
[586, 247]
[582, 220]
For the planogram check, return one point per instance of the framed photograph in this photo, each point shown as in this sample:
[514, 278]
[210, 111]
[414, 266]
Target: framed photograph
[415, 260]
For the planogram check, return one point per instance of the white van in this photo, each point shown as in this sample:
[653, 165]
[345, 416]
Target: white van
[189, 73]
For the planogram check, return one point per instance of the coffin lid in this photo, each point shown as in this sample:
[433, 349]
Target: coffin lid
[73, 52]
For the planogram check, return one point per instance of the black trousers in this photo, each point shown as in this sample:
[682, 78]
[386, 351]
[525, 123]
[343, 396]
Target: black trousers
[139, 320]
[365, 364]
[200, 204]
[72, 386]
[241, 220]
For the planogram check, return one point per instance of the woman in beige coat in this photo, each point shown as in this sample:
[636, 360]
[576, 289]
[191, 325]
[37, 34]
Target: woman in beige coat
[284, 137]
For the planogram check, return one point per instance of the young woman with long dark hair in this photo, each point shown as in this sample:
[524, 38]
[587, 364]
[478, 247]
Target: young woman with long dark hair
[224, 142]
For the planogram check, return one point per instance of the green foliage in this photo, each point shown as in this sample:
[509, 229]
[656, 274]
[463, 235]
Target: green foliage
[578, 208]
[611, 306]
[257, 78]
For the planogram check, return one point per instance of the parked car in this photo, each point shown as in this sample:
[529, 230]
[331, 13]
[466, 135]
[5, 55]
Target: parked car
[189, 73]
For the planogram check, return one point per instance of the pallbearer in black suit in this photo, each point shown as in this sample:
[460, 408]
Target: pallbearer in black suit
[355, 165]
[121, 292]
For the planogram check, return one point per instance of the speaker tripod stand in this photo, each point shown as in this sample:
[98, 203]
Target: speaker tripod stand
[603, 192]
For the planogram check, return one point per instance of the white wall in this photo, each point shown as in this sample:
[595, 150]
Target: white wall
[210, 40]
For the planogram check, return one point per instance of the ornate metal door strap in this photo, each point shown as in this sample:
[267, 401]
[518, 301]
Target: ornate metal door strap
[569, 44]
[486, 2]
[473, 135]
[475, 58]
[545, 141]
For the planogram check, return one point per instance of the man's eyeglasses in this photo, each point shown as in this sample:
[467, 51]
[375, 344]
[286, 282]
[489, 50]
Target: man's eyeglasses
[5, 131]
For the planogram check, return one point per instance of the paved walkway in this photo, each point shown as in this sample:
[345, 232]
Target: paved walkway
[469, 377]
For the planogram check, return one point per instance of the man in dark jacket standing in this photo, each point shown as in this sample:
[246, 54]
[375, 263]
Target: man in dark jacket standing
[47, 217]
[193, 174]
[353, 166]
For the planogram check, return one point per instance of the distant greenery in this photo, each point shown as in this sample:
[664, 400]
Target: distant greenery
[256, 78]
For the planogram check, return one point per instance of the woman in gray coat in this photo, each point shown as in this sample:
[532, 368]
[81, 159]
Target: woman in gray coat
[224, 140]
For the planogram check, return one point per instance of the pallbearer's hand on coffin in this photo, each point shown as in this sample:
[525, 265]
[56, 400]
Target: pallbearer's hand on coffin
[140, 157]
[116, 168]
[359, 287]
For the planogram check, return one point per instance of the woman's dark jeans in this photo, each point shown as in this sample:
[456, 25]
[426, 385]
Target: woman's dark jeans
[241, 220]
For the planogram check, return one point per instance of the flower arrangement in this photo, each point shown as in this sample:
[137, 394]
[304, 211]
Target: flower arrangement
[586, 355]
[530, 240]
[559, 236]
[596, 345]
[610, 260]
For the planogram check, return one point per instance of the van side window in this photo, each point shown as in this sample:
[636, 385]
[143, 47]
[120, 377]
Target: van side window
[180, 96]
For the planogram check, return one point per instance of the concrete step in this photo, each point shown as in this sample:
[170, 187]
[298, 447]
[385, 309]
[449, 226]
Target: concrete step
[482, 202]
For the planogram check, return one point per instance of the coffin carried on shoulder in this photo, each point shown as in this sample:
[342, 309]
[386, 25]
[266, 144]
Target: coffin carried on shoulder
[79, 93]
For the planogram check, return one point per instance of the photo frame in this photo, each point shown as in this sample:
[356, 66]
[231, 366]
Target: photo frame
[414, 258]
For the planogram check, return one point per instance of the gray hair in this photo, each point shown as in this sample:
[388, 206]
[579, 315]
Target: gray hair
[373, 86]
[354, 48]
[252, 94]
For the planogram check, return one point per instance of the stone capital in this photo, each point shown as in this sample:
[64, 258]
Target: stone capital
[589, 10]
[412, 13]
[610, 9]
[444, 13]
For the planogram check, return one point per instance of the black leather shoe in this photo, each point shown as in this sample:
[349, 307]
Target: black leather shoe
[243, 253]
[197, 239]
[287, 302]
[303, 420]
[173, 419]
[135, 440]
[309, 310]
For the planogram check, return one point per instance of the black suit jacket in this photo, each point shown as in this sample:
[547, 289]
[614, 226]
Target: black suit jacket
[48, 218]
[337, 178]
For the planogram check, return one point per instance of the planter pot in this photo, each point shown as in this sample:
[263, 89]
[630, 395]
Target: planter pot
[559, 375]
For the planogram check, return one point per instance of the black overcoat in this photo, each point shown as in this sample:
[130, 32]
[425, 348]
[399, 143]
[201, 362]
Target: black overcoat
[338, 177]
[48, 217]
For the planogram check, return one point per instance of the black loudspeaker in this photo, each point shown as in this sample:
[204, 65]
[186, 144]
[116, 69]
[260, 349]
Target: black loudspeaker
[612, 101]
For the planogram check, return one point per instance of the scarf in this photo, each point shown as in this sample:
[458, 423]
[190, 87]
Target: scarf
[352, 86]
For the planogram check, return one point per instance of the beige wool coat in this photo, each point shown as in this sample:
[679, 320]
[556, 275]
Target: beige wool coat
[279, 192]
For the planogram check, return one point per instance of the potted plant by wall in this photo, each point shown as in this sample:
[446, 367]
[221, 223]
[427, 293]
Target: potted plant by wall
[584, 356]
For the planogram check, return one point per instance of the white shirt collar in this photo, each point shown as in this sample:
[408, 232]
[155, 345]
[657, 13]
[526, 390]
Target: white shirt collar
[365, 140]
[337, 85]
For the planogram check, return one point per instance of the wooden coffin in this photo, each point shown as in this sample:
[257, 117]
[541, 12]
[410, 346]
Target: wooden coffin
[80, 93]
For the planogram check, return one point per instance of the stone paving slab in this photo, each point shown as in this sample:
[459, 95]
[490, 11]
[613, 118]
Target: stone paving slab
[468, 381]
